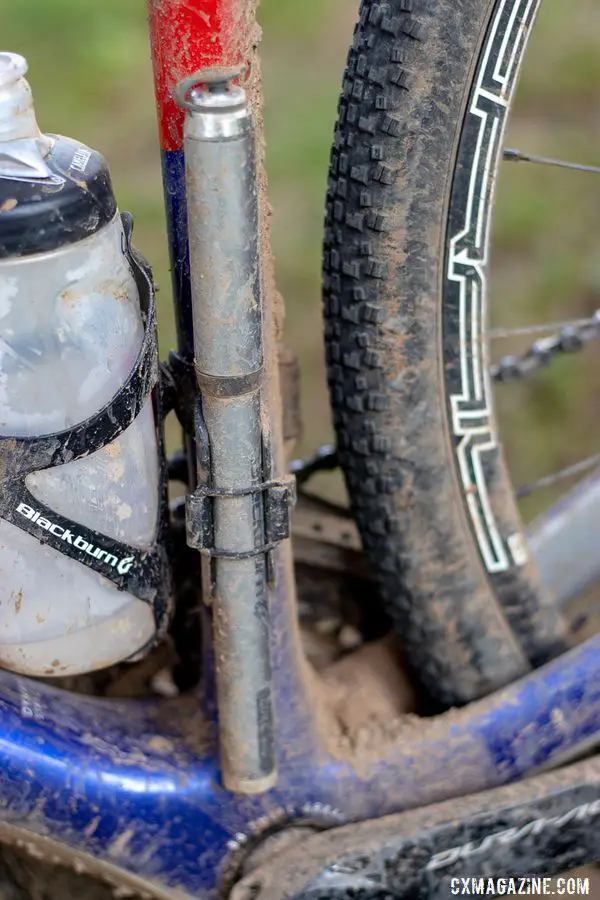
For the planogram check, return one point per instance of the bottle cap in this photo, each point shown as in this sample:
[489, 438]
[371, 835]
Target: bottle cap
[53, 191]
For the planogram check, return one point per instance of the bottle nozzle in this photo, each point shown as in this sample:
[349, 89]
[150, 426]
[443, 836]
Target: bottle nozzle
[17, 115]
[22, 147]
[12, 67]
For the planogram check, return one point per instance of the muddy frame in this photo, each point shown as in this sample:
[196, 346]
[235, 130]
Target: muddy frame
[131, 790]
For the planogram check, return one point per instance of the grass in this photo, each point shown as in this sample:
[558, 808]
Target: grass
[90, 70]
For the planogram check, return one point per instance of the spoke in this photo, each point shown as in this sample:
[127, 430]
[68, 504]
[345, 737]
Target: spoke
[519, 156]
[498, 333]
[579, 468]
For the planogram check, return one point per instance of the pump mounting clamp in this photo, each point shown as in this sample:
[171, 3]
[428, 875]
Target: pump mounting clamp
[279, 498]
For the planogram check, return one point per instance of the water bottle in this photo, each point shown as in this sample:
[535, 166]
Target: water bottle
[71, 330]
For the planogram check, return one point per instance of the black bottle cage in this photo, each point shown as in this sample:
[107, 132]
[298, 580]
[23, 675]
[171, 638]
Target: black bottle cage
[144, 574]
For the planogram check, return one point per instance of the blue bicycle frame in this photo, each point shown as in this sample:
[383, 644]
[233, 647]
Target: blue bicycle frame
[137, 785]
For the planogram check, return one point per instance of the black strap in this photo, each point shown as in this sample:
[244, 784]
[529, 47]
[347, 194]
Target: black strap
[141, 573]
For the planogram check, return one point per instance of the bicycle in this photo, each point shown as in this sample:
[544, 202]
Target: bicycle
[130, 792]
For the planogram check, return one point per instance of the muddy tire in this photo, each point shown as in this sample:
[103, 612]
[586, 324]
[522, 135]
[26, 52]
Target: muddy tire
[417, 143]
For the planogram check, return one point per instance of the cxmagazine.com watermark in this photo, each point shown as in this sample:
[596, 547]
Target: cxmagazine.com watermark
[529, 886]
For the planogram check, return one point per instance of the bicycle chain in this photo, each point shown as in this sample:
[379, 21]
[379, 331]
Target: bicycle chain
[570, 339]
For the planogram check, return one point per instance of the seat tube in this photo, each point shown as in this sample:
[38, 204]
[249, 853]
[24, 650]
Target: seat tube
[188, 36]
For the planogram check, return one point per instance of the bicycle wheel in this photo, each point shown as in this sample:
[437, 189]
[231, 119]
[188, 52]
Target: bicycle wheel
[417, 144]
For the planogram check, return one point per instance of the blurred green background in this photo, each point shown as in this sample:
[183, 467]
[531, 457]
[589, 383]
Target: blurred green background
[90, 71]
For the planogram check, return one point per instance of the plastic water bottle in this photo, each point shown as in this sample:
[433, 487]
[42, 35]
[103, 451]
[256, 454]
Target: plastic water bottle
[70, 332]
